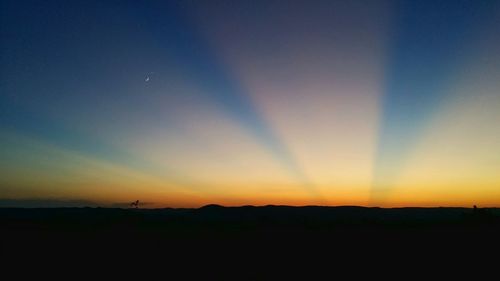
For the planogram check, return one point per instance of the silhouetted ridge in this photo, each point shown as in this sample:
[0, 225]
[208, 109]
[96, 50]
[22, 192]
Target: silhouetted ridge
[211, 206]
[215, 216]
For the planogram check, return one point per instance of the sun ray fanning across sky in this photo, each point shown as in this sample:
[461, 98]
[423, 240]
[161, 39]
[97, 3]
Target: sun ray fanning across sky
[431, 40]
[183, 103]
[317, 87]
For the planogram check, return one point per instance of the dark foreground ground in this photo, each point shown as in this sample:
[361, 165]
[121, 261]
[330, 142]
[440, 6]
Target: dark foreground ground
[248, 239]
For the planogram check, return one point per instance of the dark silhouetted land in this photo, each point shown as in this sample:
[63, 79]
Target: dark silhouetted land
[230, 220]
[246, 222]
[212, 233]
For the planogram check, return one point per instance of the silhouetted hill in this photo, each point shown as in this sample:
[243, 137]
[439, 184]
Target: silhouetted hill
[243, 237]
[249, 217]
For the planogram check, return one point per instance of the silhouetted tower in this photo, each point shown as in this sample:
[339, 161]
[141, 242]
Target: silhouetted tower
[136, 204]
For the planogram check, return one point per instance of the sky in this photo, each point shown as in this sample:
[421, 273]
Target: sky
[185, 103]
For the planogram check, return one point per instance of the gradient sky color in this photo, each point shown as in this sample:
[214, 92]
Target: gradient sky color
[187, 103]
